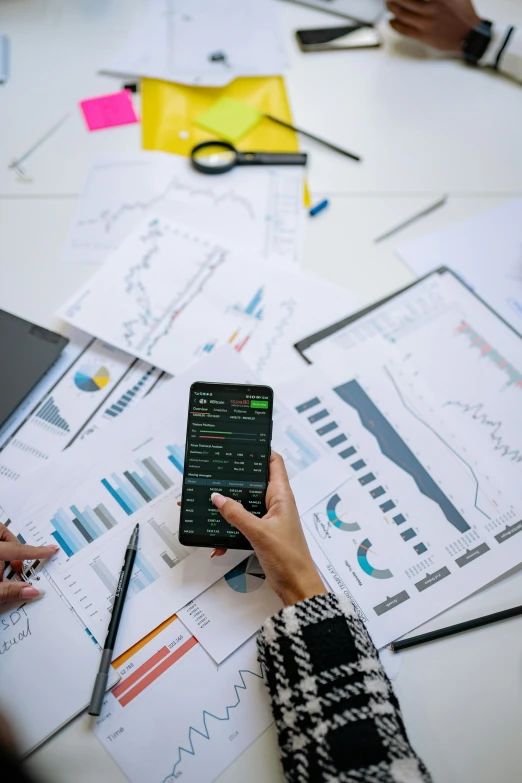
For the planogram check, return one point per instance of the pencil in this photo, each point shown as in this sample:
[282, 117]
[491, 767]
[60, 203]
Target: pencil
[412, 219]
[469, 625]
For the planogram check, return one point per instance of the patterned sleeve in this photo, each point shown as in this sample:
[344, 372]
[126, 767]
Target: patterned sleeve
[336, 714]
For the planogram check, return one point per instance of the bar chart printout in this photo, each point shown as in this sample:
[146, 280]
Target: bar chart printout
[177, 456]
[133, 490]
[75, 529]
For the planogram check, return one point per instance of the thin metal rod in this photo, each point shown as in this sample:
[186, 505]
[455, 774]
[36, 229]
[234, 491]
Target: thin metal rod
[427, 211]
[17, 161]
[314, 138]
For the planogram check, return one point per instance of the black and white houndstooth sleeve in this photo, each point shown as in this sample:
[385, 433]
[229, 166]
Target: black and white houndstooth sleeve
[336, 714]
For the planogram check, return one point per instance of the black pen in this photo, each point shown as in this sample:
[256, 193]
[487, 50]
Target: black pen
[451, 630]
[100, 684]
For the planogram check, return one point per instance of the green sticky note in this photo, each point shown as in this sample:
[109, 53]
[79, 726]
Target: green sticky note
[229, 119]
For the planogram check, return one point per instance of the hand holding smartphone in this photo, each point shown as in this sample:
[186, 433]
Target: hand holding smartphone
[229, 431]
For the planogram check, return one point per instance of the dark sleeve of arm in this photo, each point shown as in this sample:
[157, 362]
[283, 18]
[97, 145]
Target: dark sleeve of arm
[336, 714]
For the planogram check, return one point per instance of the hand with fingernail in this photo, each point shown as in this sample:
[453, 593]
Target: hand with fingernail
[277, 538]
[13, 552]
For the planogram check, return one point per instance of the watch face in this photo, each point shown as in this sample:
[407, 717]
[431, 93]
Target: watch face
[475, 44]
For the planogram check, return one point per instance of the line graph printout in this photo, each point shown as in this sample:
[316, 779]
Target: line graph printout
[427, 514]
[260, 209]
[470, 360]
[90, 497]
[171, 294]
[204, 716]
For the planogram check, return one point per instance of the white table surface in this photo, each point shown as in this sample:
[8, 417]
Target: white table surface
[425, 126]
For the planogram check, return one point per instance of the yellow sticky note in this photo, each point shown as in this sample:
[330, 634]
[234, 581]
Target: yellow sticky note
[229, 119]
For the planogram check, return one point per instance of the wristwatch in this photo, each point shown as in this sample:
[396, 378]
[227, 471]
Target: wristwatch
[477, 41]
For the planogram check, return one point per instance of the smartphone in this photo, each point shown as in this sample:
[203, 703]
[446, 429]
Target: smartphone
[335, 38]
[229, 431]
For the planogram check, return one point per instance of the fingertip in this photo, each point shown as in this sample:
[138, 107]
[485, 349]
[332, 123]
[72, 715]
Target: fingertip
[218, 500]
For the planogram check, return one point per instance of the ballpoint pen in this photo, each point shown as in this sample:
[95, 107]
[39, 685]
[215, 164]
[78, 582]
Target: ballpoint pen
[100, 684]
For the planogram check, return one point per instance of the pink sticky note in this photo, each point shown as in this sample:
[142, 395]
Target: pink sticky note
[108, 111]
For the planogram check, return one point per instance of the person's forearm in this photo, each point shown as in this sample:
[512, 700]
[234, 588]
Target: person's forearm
[333, 705]
[504, 53]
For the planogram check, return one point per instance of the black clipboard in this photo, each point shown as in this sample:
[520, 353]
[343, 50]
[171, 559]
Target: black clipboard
[27, 352]
[303, 345]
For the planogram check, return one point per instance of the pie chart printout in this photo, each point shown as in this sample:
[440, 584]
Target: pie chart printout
[91, 379]
[247, 576]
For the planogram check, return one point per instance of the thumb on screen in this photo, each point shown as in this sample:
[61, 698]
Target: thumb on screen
[234, 513]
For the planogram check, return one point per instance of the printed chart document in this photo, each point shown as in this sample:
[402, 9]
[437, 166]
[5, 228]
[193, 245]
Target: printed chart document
[100, 384]
[203, 42]
[259, 207]
[48, 664]
[420, 401]
[170, 294]
[193, 717]
[91, 496]
[486, 251]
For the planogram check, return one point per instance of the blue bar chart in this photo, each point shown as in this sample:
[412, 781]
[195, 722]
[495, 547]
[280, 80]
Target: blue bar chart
[177, 457]
[127, 397]
[298, 453]
[254, 308]
[75, 529]
[143, 574]
[133, 490]
[50, 413]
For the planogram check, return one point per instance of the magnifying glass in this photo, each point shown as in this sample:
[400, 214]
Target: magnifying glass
[218, 157]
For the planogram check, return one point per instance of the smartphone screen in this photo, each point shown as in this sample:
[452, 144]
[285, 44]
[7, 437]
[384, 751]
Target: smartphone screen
[227, 450]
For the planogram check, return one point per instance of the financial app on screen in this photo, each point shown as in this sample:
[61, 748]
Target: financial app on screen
[228, 448]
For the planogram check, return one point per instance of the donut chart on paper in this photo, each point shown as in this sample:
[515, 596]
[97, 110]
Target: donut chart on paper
[91, 379]
[362, 558]
[335, 519]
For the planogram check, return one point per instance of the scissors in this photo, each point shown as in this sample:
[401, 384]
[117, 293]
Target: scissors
[218, 157]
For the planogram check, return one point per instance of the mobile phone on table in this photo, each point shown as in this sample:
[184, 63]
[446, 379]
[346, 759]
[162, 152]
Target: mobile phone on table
[354, 36]
[229, 431]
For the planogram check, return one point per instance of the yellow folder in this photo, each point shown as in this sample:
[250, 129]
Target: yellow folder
[168, 111]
